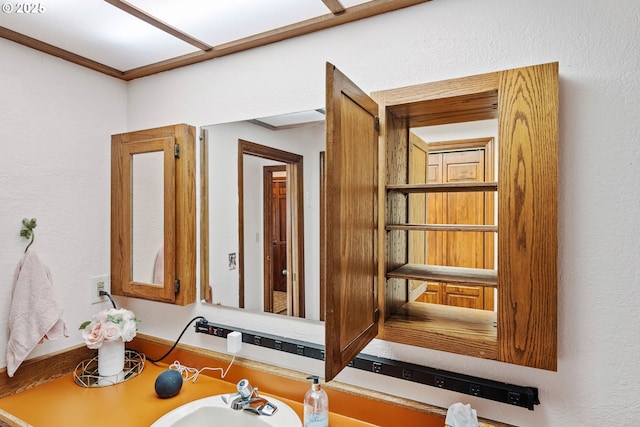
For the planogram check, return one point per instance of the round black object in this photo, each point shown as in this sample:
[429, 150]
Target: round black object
[168, 383]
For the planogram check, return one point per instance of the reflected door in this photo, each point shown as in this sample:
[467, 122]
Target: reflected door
[276, 300]
[456, 248]
[279, 234]
[251, 158]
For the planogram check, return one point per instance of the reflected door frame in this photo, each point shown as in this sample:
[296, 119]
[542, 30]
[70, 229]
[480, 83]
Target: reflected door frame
[295, 221]
[275, 235]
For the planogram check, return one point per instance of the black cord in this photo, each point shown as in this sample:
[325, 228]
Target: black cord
[106, 294]
[178, 340]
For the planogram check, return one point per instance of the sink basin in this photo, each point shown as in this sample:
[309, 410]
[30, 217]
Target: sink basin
[213, 411]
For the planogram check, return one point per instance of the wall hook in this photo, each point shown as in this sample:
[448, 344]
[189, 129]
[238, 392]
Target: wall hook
[27, 231]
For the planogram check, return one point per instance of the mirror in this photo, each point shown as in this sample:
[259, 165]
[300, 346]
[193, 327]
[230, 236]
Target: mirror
[147, 194]
[261, 214]
[153, 219]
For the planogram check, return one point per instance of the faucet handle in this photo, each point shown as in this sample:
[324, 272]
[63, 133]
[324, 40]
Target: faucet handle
[258, 405]
[247, 398]
[245, 390]
[268, 409]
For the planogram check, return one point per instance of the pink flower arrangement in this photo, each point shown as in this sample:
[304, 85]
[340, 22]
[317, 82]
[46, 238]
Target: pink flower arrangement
[109, 325]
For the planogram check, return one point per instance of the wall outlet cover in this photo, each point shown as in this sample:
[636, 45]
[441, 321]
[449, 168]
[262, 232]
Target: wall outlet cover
[100, 283]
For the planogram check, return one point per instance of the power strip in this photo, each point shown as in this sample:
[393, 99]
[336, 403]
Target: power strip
[522, 396]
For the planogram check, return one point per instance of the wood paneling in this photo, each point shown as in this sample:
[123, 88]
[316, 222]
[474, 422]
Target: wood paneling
[144, 16]
[179, 212]
[351, 14]
[438, 273]
[418, 208]
[449, 187]
[527, 216]
[396, 209]
[351, 221]
[205, 284]
[446, 328]
[59, 53]
[526, 100]
[335, 6]
[323, 201]
[41, 369]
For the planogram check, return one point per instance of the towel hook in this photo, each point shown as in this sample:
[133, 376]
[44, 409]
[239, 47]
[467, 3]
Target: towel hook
[27, 231]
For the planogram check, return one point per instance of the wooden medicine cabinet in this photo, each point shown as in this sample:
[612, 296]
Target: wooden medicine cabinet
[367, 264]
[153, 216]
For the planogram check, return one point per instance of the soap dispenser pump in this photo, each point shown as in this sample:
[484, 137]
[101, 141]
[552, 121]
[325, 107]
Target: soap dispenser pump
[316, 405]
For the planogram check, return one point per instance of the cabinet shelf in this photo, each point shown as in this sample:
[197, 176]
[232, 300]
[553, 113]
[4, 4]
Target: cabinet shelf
[443, 227]
[456, 187]
[461, 330]
[368, 190]
[437, 273]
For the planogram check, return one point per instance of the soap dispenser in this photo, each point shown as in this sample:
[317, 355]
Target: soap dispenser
[316, 405]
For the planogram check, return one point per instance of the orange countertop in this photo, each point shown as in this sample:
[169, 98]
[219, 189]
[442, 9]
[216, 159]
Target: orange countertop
[62, 403]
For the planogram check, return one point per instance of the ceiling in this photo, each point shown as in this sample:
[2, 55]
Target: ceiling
[138, 38]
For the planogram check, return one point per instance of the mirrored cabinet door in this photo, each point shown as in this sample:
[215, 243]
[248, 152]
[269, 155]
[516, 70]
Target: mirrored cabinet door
[153, 214]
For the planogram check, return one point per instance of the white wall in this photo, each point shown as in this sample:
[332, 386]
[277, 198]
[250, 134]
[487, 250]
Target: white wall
[56, 119]
[596, 44]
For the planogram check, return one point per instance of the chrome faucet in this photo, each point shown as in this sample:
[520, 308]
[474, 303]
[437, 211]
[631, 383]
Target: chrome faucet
[247, 398]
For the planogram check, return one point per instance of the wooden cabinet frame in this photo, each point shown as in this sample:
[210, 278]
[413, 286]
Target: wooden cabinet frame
[350, 243]
[523, 330]
[177, 143]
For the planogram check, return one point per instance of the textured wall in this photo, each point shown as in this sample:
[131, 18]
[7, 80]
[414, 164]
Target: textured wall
[56, 119]
[596, 46]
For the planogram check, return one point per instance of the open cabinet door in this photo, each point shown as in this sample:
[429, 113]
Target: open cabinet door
[351, 214]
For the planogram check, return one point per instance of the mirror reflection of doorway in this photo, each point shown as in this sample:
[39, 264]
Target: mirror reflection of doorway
[275, 235]
[281, 237]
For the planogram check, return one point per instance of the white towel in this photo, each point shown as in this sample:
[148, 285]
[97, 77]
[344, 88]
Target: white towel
[35, 310]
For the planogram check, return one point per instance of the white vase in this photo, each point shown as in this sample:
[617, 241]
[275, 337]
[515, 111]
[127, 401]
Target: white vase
[111, 358]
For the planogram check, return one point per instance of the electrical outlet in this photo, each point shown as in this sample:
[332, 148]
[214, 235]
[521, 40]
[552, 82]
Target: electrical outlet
[100, 283]
[513, 398]
[475, 390]
[407, 374]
